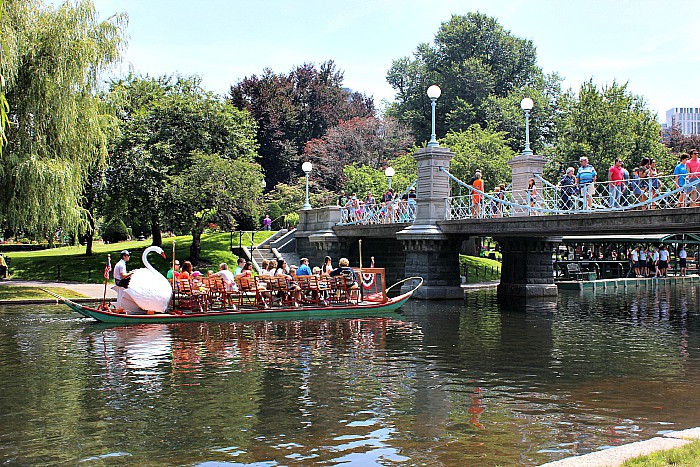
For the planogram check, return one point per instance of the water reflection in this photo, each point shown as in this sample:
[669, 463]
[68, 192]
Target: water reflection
[459, 383]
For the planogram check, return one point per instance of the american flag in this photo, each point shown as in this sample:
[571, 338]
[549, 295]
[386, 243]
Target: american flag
[108, 267]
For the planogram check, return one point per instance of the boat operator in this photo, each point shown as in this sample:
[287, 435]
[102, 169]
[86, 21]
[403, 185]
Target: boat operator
[121, 277]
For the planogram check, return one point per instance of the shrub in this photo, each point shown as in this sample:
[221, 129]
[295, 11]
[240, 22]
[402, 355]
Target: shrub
[115, 231]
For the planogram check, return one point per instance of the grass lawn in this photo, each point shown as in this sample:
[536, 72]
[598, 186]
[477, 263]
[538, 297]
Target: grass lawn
[479, 269]
[71, 264]
[12, 292]
[686, 456]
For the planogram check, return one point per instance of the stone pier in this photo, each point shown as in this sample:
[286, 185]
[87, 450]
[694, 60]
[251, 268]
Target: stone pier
[527, 270]
[430, 253]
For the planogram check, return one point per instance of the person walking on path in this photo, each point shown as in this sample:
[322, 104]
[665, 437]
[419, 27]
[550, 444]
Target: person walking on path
[267, 222]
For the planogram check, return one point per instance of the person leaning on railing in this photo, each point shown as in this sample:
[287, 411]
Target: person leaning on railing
[693, 175]
[567, 185]
[680, 172]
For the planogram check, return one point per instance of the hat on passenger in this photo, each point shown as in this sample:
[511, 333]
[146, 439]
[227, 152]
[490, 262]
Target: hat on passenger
[125, 252]
[196, 273]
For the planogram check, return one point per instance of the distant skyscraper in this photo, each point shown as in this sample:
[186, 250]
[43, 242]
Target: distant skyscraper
[686, 118]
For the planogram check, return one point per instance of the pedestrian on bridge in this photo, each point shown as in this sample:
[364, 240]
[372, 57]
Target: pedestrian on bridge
[586, 177]
[616, 178]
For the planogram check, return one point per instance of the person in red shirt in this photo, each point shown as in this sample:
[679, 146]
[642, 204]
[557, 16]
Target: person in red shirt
[616, 178]
[693, 166]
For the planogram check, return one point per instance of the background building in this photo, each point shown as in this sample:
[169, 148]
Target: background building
[686, 118]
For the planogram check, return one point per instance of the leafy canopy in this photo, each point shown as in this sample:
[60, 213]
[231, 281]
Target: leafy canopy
[51, 62]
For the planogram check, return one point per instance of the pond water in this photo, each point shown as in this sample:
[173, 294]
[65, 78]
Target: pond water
[451, 383]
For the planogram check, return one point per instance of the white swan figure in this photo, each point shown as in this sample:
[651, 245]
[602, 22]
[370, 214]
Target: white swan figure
[148, 289]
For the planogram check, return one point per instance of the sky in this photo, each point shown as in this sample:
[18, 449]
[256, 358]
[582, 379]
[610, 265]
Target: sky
[650, 44]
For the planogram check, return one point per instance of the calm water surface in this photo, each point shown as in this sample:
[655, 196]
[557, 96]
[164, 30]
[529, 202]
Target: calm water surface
[455, 383]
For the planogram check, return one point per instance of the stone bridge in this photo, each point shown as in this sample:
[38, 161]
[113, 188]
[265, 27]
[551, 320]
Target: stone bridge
[429, 247]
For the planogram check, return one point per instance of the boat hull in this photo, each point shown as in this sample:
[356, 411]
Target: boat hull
[363, 309]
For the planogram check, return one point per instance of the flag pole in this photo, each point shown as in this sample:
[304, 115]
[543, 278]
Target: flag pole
[172, 299]
[106, 275]
[360, 284]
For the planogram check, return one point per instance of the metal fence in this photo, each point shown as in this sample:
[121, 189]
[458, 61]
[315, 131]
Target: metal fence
[635, 194]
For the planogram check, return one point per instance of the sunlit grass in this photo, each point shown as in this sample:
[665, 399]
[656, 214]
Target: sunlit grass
[14, 292]
[479, 269]
[71, 264]
[686, 456]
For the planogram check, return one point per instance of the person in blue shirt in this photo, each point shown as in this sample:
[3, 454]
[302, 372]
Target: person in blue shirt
[680, 173]
[586, 177]
[304, 269]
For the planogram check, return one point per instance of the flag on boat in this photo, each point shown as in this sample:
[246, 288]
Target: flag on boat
[368, 280]
[108, 267]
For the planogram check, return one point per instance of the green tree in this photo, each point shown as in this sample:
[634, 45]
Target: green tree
[484, 149]
[211, 188]
[4, 105]
[51, 63]
[362, 178]
[606, 123]
[291, 109]
[362, 141]
[473, 58]
[162, 122]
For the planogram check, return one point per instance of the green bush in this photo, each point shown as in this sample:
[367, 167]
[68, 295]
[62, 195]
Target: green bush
[115, 231]
[292, 218]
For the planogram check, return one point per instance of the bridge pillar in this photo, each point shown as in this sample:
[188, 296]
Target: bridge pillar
[430, 253]
[527, 270]
[524, 167]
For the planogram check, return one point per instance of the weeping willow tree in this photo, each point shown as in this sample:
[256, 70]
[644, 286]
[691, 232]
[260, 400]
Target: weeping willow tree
[52, 59]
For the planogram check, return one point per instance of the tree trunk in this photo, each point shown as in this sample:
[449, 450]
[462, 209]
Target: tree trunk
[88, 243]
[89, 234]
[157, 239]
[196, 246]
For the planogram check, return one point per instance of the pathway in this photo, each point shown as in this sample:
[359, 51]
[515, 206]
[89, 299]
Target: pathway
[93, 291]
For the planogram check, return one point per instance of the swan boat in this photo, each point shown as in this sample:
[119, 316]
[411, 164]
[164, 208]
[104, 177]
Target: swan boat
[374, 301]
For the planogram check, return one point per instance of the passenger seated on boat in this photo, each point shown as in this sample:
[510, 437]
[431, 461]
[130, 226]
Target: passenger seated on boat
[227, 276]
[270, 270]
[345, 270]
[263, 267]
[239, 267]
[291, 283]
[304, 269]
[186, 271]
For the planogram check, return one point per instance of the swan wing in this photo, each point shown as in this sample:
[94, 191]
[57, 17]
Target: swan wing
[149, 290]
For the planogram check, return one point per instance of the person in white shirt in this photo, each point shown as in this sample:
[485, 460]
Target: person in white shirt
[683, 260]
[643, 269]
[655, 259]
[228, 277]
[663, 261]
[121, 276]
[635, 260]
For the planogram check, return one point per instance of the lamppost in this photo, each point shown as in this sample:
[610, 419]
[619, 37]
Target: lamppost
[433, 93]
[526, 104]
[306, 167]
[389, 172]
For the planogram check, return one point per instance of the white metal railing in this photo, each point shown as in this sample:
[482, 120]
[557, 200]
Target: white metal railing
[401, 209]
[635, 194]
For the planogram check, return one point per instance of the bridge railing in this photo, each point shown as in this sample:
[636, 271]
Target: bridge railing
[402, 209]
[660, 192]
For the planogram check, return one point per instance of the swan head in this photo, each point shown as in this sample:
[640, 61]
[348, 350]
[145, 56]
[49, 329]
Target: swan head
[155, 249]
